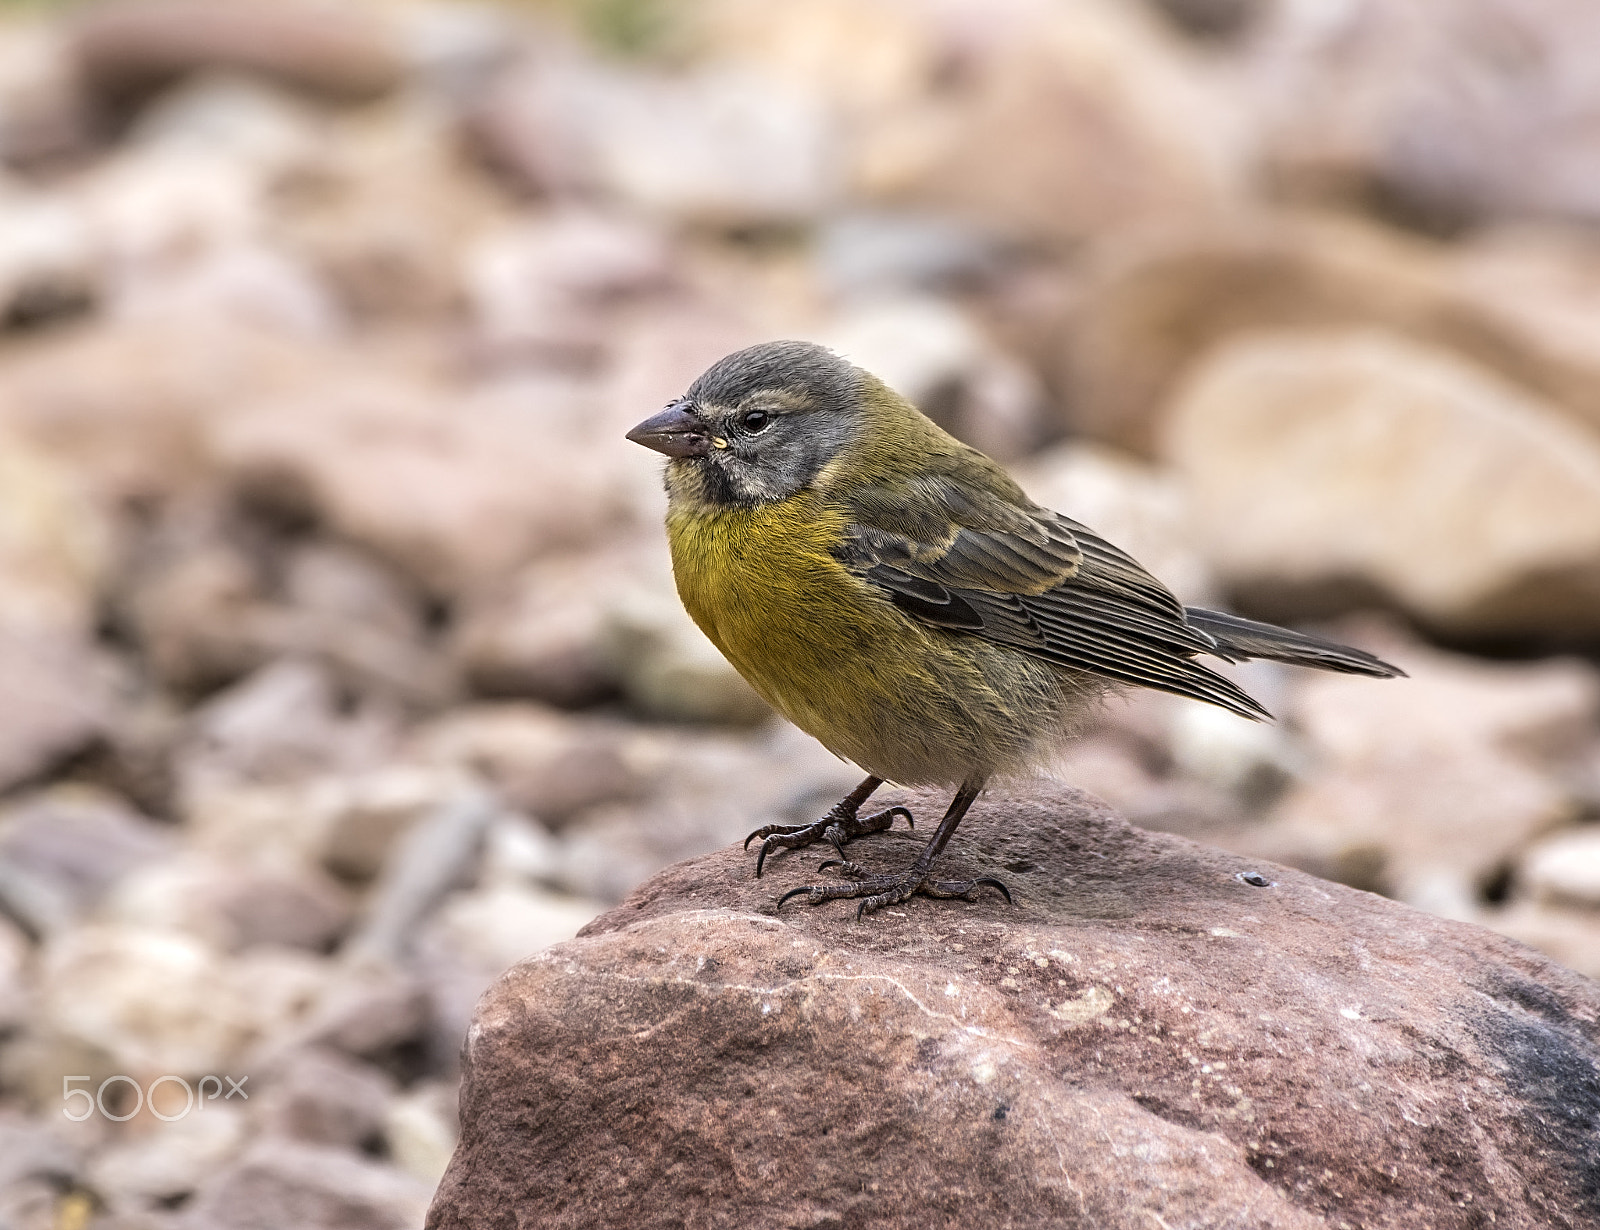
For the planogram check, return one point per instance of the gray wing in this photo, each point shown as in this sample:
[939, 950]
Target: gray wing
[1033, 580]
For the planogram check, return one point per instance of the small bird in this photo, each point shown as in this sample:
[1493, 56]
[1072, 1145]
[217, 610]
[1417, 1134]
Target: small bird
[892, 592]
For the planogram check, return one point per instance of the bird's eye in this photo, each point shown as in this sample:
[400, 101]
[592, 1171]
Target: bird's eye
[755, 420]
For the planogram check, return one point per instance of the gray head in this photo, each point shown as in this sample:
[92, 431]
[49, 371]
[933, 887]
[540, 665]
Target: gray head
[758, 425]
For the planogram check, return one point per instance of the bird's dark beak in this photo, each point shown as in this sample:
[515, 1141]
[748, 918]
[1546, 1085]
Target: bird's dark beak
[675, 432]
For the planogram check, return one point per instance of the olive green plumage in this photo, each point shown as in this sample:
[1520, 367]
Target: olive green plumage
[894, 593]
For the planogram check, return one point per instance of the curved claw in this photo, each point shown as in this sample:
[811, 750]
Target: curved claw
[749, 839]
[832, 862]
[761, 857]
[897, 810]
[793, 892]
[994, 883]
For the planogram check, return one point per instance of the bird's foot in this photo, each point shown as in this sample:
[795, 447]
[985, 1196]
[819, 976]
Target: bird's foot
[840, 825]
[877, 891]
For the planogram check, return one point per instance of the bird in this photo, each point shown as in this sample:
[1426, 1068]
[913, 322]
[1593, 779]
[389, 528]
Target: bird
[893, 592]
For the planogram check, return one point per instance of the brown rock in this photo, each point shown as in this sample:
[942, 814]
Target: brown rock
[142, 1000]
[1155, 302]
[1564, 867]
[322, 1097]
[126, 407]
[233, 906]
[136, 46]
[545, 288]
[719, 147]
[42, 113]
[61, 852]
[544, 636]
[15, 951]
[1571, 937]
[388, 214]
[549, 764]
[58, 702]
[1144, 1038]
[1430, 789]
[453, 489]
[54, 542]
[1053, 124]
[1436, 117]
[1391, 468]
[280, 1183]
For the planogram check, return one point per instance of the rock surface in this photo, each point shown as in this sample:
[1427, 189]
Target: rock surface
[1393, 468]
[1149, 1037]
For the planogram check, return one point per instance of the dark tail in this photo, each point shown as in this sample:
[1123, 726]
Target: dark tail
[1245, 638]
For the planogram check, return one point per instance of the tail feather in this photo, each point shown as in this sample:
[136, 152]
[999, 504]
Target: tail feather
[1239, 638]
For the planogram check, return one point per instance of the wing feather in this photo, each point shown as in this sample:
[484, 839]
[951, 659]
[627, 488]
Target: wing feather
[997, 566]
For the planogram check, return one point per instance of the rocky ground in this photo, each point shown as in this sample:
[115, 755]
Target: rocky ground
[340, 662]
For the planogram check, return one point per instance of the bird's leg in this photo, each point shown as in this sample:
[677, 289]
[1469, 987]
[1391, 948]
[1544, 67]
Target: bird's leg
[837, 827]
[890, 889]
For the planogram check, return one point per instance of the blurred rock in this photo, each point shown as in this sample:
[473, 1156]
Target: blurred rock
[1153, 303]
[931, 352]
[253, 286]
[899, 253]
[159, 1001]
[167, 1165]
[368, 1009]
[63, 850]
[282, 723]
[42, 113]
[280, 1183]
[668, 670]
[712, 790]
[544, 288]
[545, 763]
[720, 147]
[126, 407]
[1212, 19]
[322, 1097]
[474, 937]
[54, 543]
[1571, 937]
[387, 215]
[204, 600]
[1081, 1055]
[1488, 111]
[1144, 510]
[134, 47]
[438, 854]
[420, 1129]
[1450, 703]
[365, 815]
[234, 119]
[196, 605]
[1564, 868]
[543, 635]
[48, 268]
[58, 702]
[232, 906]
[1430, 829]
[454, 490]
[1390, 468]
[15, 959]
[1431, 795]
[36, 1163]
[1053, 124]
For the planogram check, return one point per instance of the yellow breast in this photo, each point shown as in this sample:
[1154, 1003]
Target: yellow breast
[763, 585]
